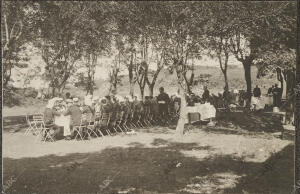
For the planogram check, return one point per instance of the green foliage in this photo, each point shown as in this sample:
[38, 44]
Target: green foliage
[284, 59]
[256, 33]
[17, 26]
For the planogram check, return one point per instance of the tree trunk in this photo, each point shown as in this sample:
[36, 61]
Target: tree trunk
[131, 89]
[142, 92]
[53, 91]
[115, 87]
[226, 80]
[183, 116]
[92, 89]
[151, 87]
[247, 68]
[283, 88]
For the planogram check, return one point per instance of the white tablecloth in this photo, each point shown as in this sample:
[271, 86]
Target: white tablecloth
[206, 111]
[63, 121]
[259, 103]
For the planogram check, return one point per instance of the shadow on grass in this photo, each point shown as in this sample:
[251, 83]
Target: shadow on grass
[253, 121]
[157, 169]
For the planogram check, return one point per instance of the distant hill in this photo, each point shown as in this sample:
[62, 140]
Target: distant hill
[215, 81]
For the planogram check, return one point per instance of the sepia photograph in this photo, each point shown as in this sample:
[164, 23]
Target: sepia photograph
[149, 97]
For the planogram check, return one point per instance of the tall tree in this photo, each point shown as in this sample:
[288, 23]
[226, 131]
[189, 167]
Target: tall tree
[95, 38]
[114, 71]
[18, 21]
[59, 41]
[258, 27]
[184, 33]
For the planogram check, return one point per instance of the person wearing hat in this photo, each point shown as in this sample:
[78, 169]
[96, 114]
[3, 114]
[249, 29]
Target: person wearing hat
[163, 101]
[74, 111]
[49, 117]
[104, 106]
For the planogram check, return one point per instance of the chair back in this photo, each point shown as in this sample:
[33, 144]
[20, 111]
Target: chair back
[29, 119]
[38, 118]
[105, 117]
[121, 116]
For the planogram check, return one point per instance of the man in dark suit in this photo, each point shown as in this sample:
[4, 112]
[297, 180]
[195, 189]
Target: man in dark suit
[277, 93]
[163, 101]
[256, 92]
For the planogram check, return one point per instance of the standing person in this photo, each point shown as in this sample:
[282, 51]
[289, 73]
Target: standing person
[270, 90]
[74, 111]
[276, 96]
[205, 94]
[270, 96]
[256, 92]
[163, 101]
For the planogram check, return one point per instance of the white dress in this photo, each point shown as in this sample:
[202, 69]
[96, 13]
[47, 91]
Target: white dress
[63, 121]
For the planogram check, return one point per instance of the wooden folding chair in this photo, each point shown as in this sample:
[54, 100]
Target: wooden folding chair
[91, 127]
[113, 121]
[38, 123]
[139, 120]
[46, 133]
[31, 124]
[147, 117]
[131, 120]
[125, 121]
[104, 123]
[79, 129]
[97, 126]
[119, 121]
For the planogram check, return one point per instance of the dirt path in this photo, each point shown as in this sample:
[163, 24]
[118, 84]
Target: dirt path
[152, 161]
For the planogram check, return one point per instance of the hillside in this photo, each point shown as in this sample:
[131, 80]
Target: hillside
[165, 79]
[215, 82]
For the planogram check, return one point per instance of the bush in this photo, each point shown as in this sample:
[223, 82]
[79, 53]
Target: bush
[11, 97]
[30, 92]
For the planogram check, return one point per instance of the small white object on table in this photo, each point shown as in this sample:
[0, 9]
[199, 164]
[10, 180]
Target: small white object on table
[63, 121]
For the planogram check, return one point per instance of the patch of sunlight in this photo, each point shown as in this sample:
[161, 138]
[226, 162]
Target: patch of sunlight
[198, 154]
[214, 183]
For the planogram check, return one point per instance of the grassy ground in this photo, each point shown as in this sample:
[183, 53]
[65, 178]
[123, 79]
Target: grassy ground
[233, 157]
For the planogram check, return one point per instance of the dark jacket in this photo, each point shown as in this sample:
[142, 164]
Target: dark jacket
[163, 97]
[75, 113]
[270, 90]
[89, 111]
[205, 95]
[49, 114]
[256, 92]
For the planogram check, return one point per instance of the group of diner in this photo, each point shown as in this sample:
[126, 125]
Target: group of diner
[123, 114]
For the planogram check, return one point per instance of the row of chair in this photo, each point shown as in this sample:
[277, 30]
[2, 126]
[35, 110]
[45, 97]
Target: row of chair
[101, 124]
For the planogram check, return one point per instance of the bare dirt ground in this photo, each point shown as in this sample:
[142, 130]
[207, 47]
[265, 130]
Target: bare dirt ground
[221, 159]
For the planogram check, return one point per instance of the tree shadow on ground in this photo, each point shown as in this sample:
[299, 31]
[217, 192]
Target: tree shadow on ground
[155, 169]
[275, 175]
[253, 121]
[14, 123]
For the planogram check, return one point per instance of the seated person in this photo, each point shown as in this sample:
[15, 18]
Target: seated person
[88, 109]
[104, 106]
[49, 114]
[74, 111]
[205, 95]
